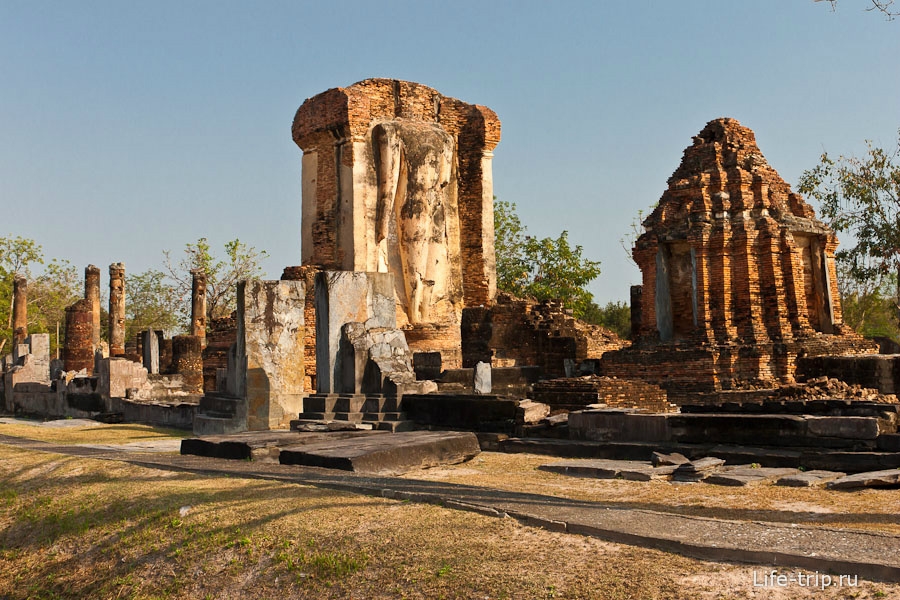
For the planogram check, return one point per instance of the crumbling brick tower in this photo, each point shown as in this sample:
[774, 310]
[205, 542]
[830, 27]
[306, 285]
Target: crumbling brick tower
[397, 178]
[738, 275]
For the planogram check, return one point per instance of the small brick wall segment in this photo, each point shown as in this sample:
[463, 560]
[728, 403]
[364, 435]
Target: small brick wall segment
[187, 359]
[575, 393]
[307, 274]
[221, 333]
[517, 332]
[750, 281]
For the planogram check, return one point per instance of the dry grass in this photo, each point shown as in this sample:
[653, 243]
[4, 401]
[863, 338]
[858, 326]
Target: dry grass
[92, 434]
[84, 528]
[868, 509]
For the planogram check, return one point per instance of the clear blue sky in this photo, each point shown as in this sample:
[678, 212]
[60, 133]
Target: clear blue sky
[127, 128]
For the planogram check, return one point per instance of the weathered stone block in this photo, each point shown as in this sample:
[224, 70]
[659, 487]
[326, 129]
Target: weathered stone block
[270, 350]
[855, 428]
[348, 297]
[482, 383]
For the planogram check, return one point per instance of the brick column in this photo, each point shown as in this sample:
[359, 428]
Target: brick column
[198, 305]
[20, 310]
[92, 295]
[78, 352]
[117, 309]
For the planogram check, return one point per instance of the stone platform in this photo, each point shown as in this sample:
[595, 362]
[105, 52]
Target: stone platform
[368, 452]
[258, 445]
[391, 454]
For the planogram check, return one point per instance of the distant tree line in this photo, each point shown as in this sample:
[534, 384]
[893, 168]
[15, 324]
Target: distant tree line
[154, 298]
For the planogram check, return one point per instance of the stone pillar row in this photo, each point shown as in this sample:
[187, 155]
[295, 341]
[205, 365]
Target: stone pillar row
[182, 354]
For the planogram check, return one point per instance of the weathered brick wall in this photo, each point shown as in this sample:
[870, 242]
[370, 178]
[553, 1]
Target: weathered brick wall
[307, 274]
[517, 332]
[748, 280]
[575, 393]
[221, 333]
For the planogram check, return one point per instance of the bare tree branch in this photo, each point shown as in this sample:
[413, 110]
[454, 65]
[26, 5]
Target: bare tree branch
[882, 6]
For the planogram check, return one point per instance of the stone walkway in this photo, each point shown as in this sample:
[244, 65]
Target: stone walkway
[869, 555]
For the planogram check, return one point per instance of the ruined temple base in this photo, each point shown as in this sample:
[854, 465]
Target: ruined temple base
[687, 370]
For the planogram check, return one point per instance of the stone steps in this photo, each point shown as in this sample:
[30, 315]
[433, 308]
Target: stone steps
[350, 403]
[381, 412]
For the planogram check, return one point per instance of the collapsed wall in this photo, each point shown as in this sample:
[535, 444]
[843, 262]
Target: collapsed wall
[518, 332]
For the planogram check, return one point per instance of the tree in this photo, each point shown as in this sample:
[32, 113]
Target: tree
[48, 293]
[615, 316]
[241, 262]
[882, 6]
[509, 248]
[544, 268]
[152, 303]
[861, 197]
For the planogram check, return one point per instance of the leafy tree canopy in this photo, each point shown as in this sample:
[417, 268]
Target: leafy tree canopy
[222, 275]
[860, 196]
[545, 268]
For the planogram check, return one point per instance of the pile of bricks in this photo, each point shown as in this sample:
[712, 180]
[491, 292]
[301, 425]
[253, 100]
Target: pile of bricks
[577, 393]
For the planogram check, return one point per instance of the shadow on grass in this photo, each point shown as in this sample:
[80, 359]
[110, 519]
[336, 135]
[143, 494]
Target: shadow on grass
[130, 523]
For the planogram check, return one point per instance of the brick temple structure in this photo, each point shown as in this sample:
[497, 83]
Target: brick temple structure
[739, 276]
[397, 178]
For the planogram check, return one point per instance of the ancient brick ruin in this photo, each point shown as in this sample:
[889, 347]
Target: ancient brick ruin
[393, 320]
[519, 332]
[738, 275]
[397, 179]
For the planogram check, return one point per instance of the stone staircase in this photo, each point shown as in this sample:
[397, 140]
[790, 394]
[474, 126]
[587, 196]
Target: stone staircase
[220, 414]
[381, 412]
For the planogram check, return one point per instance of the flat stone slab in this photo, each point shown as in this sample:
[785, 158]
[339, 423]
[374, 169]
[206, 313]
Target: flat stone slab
[697, 470]
[386, 454]
[634, 470]
[165, 445]
[53, 424]
[813, 478]
[743, 475]
[661, 459]
[315, 425]
[870, 479]
[259, 445]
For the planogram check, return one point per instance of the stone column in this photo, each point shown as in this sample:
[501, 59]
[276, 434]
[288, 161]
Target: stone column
[117, 309]
[187, 359]
[92, 295]
[198, 305]
[150, 348]
[20, 310]
[78, 352]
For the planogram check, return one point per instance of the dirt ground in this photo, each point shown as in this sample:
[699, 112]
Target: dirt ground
[877, 509]
[83, 528]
